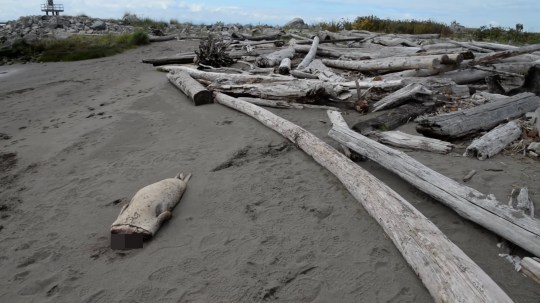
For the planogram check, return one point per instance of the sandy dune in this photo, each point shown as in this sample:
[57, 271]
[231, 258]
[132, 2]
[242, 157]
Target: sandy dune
[260, 220]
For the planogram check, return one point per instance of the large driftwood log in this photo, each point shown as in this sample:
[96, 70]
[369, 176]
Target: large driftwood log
[275, 58]
[221, 77]
[531, 268]
[399, 139]
[317, 68]
[295, 90]
[395, 117]
[494, 141]
[310, 55]
[386, 64]
[469, 203]
[171, 60]
[448, 274]
[337, 119]
[258, 38]
[161, 38]
[284, 104]
[189, 86]
[508, 53]
[411, 91]
[285, 66]
[483, 117]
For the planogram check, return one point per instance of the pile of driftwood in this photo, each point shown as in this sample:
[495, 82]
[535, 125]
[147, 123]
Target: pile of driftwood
[486, 93]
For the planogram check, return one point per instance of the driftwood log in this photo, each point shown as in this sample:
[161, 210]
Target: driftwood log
[317, 68]
[531, 268]
[161, 38]
[285, 66]
[483, 117]
[508, 53]
[275, 58]
[284, 104]
[310, 55]
[257, 38]
[448, 274]
[190, 87]
[184, 59]
[411, 91]
[386, 64]
[494, 141]
[469, 203]
[221, 77]
[400, 139]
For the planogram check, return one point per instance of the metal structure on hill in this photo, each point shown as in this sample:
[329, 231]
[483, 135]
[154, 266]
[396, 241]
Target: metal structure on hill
[54, 9]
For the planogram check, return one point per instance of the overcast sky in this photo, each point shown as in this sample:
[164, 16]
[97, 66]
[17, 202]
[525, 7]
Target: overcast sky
[470, 13]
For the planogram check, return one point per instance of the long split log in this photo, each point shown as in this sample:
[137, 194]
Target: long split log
[494, 141]
[469, 203]
[448, 274]
[483, 117]
[258, 38]
[400, 139]
[189, 86]
[284, 104]
[508, 53]
[220, 77]
[386, 64]
[411, 91]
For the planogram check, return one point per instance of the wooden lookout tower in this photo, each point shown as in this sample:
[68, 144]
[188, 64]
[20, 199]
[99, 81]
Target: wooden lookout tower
[54, 9]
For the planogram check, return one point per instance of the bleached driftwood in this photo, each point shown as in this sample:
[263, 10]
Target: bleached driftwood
[317, 68]
[401, 96]
[469, 203]
[385, 64]
[337, 119]
[483, 117]
[448, 274]
[285, 66]
[302, 75]
[494, 141]
[220, 77]
[275, 58]
[190, 87]
[284, 104]
[519, 199]
[293, 90]
[508, 53]
[531, 268]
[400, 139]
[310, 55]
[258, 38]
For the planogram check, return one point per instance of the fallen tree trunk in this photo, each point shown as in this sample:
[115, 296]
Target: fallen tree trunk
[399, 139]
[258, 38]
[483, 117]
[310, 55]
[171, 60]
[531, 268]
[284, 104]
[494, 141]
[448, 274]
[275, 58]
[190, 87]
[469, 203]
[337, 119]
[161, 38]
[285, 66]
[386, 64]
[411, 91]
[302, 91]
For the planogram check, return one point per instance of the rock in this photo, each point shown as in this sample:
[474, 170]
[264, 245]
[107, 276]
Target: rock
[296, 23]
[31, 37]
[98, 25]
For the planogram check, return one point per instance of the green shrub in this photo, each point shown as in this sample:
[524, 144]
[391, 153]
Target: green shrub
[140, 37]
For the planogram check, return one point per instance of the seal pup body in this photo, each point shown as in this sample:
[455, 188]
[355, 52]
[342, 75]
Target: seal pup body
[150, 207]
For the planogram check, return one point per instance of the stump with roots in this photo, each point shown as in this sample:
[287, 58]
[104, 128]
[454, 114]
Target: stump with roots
[213, 52]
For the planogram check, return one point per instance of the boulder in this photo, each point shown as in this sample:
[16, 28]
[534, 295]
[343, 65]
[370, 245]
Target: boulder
[296, 23]
[98, 25]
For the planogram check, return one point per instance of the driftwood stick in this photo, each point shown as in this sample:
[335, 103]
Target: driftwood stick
[448, 274]
[310, 55]
[469, 203]
[189, 86]
[482, 117]
[494, 141]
